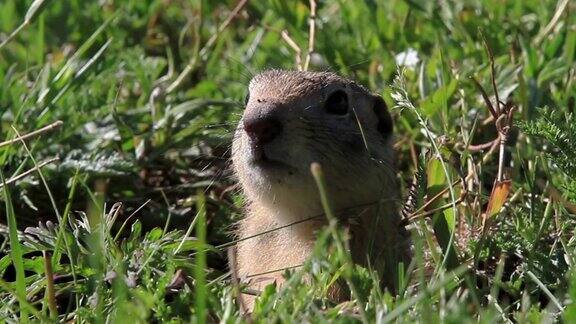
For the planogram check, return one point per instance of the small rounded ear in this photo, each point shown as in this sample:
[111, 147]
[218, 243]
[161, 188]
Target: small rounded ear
[385, 124]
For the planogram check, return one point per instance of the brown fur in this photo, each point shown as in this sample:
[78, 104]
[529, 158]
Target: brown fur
[358, 162]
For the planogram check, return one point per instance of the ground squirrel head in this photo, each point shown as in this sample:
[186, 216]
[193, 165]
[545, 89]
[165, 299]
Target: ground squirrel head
[294, 118]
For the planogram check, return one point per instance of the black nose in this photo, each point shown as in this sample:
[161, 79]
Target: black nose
[262, 130]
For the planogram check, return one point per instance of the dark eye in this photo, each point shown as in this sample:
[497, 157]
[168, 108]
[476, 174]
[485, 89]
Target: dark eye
[246, 99]
[337, 103]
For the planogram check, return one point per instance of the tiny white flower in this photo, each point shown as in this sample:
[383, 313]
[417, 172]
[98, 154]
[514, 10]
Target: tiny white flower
[409, 58]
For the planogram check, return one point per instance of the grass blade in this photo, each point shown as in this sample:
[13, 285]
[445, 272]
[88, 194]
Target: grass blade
[15, 250]
[33, 11]
[200, 275]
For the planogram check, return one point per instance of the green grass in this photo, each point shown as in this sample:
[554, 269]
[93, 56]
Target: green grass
[149, 91]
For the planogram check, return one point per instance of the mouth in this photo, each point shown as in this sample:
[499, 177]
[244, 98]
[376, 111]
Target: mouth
[260, 160]
[266, 163]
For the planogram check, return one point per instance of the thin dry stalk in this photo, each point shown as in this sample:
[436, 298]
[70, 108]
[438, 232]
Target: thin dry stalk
[44, 182]
[45, 129]
[431, 212]
[490, 152]
[556, 195]
[221, 247]
[235, 279]
[191, 66]
[311, 34]
[502, 114]
[222, 27]
[483, 146]
[492, 73]
[436, 197]
[252, 275]
[50, 291]
[318, 175]
[560, 9]
[129, 218]
[28, 172]
[286, 37]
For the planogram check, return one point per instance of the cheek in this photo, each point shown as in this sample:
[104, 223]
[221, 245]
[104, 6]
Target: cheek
[239, 155]
[294, 147]
[355, 144]
[299, 151]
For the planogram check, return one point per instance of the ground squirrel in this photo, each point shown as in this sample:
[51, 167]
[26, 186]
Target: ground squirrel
[291, 120]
